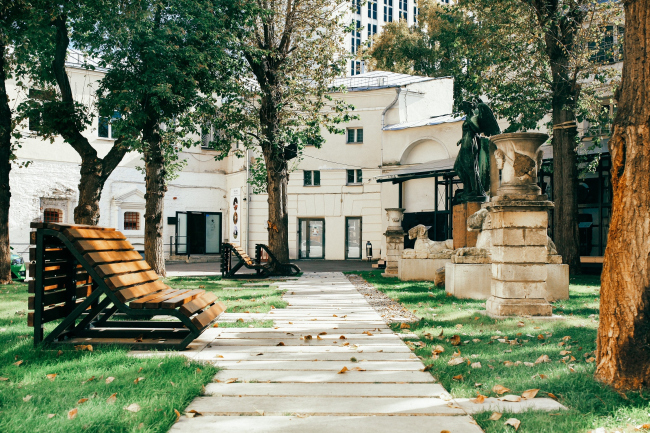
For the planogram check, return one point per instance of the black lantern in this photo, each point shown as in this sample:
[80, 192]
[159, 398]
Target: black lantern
[368, 250]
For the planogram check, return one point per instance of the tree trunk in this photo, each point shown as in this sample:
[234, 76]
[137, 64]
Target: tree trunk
[565, 183]
[624, 329]
[91, 184]
[155, 172]
[5, 168]
[278, 224]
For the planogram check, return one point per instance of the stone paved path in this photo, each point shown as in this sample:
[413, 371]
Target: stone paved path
[290, 373]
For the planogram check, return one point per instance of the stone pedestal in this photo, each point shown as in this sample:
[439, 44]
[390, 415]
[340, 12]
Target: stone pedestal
[420, 269]
[519, 256]
[394, 241]
[468, 280]
[462, 237]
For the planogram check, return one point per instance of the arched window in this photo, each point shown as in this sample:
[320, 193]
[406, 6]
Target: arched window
[52, 215]
[131, 220]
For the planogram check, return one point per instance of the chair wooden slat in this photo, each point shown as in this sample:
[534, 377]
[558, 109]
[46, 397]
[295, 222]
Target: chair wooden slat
[88, 234]
[157, 302]
[198, 304]
[179, 300]
[112, 257]
[202, 320]
[139, 303]
[119, 281]
[138, 291]
[101, 245]
[110, 269]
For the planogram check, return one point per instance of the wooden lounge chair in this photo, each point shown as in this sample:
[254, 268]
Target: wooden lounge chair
[85, 275]
[262, 270]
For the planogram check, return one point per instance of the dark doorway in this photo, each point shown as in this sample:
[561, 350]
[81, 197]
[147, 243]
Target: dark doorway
[196, 232]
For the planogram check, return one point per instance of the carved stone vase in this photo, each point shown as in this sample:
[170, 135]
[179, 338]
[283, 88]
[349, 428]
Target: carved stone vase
[395, 216]
[519, 157]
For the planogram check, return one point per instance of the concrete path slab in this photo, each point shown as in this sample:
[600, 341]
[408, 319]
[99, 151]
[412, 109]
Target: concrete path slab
[302, 376]
[326, 424]
[323, 406]
[325, 389]
[259, 363]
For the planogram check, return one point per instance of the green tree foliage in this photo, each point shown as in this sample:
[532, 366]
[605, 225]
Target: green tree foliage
[531, 59]
[162, 58]
[291, 52]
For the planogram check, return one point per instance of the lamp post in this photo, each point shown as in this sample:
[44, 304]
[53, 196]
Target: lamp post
[368, 250]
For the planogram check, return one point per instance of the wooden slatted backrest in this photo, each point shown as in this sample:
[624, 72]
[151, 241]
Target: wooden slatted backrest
[64, 282]
[241, 253]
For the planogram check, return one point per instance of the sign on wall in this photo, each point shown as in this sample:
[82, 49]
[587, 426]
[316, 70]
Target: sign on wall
[235, 209]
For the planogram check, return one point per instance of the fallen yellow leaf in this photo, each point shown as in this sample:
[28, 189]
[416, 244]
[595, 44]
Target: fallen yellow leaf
[343, 370]
[499, 389]
[496, 416]
[82, 400]
[112, 399]
[514, 422]
[72, 414]
[51, 376]
[531, 393]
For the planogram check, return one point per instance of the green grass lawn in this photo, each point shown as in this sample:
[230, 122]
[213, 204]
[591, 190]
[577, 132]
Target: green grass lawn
[591, 405]
[32, 402]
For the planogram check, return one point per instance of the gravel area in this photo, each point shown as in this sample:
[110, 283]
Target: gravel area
[390, 311]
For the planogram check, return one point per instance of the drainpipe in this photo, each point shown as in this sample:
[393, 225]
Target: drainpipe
[248, 199]
[383, 124]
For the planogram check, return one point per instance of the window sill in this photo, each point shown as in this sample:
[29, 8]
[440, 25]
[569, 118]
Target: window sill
[354, 184]
[354, 142]
[105, 139]
[311, 186]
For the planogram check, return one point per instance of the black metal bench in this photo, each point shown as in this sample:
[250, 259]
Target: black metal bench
[262, 270]
[85, 275]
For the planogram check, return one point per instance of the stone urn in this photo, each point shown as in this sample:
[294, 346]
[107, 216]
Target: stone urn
[395, 216]
[519, 157]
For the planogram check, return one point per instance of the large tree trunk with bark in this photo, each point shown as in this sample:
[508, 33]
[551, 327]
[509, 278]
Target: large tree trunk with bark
[91, 184]
[5, 168]
[154, 158]
[624, 329]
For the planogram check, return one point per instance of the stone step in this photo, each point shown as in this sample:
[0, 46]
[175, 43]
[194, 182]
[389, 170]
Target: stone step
[326, 389]
[298, 376]
[279, 365]
[323, 406]
[208, 355]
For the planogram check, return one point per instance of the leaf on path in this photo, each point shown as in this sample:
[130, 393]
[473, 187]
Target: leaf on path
[110, 379]
[455, 340]
[280, 344]
[342, 337]
[456, 361]
[343, 370]
[531, 393]
[368, 333]
[178, 415]
[478, 400]
[192, 413]
[496, 416]
[514, 422]
[427, 368]
[112, 399]
[322, 333]
[358, 369]
[231, 380]
[72, 414]
[543, 358]
[218, 356]
[499, 389]
[82, 400]
[51, 376]
[445, 396]
[510, 398]
[134, 407]
[27, 398]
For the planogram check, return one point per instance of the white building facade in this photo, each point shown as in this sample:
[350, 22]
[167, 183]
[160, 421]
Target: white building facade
[335, 204]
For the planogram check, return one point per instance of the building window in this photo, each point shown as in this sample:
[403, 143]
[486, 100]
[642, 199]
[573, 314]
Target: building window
[355, 177]
[52, 215]
[356, 67]
[36, 118]
[356, 36]
[131, 220]
[415, 11]
[388, 11]
[372, 9]
[208, 136]
[311, 178]
[356, 4]
[355, 135]
[610, 48]
[403, 10]
[372, 30]
[104, 125]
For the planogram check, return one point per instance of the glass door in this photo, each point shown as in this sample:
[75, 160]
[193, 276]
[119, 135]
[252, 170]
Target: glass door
[212, 233]
[181, 233]
[312, 238]
[353, 247]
